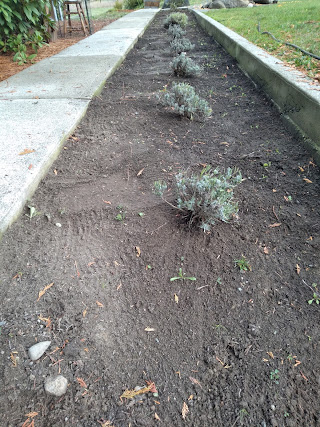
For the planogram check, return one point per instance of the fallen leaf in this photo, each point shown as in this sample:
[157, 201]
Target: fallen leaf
[265, 360]
[13, 357]
[81, 382]
[44, 290]
[297, 363]
[47, 320]
[26, 151]
[74, 138]
[270, 354]
[156, 416]
[176, 298]
[307, 180]
[55, 171]
[140, 172]
[310, 238]
[147, 329]
[195, 381]
[31, 414]
[99, 304]
[266, 250]
[84, 313]
[86, 349]
[301, 169]
[224, 143]
[138, 251]
[185, 410]
[91, 263]
[276, 224]
[119, 286]
[298, 269]
[190, 397]
[107, 202]
[303, 376]
[130, 394]
[274, 190]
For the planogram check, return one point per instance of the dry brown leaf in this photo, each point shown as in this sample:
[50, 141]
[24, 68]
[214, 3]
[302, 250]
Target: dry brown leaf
[307, 180]
[138, 251]
[224, 143]
[265, 360]
[190, 397]
[274, 190]
[99, 304]
[156, 416]
[147, 329]
[84, 313]
[44, 290]
[31, 414]
[86, 350]
[107, 202]
[81, 382]
[47, 320]
[301, 169]
[27, 151]
[176, 298]
[298, 269]
[297, 363]
[276, 224]
[266, 250]
[195, 381]
[140, 172]
[270, 354]
[185, 410]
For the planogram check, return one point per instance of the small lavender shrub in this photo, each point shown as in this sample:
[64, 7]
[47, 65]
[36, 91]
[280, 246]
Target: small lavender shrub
[183, 99]
[205, 197]
[179, 45]
[208, 196]
[175, 31]
[183, 66]
[176, 18]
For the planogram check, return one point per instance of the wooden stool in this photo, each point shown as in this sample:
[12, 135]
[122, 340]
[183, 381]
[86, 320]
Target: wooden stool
[68, 13]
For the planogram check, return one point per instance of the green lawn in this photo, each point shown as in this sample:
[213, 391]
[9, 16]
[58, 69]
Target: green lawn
[293, 21]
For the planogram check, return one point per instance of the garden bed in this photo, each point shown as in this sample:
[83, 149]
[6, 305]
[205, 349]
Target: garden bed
[230, 348]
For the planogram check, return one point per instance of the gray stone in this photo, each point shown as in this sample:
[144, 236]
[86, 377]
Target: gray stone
[37, 350]
[56, 386]
[226, 4]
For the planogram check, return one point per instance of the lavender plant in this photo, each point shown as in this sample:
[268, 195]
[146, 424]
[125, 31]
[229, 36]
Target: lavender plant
[206, 197]
[183, 99]
[179, 45]
[175, 31]
[183, 66]
[176, 18]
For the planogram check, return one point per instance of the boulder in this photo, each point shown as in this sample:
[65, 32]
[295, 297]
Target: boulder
[226, 4]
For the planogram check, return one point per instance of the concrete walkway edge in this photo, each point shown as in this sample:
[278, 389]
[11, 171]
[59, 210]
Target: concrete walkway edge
[43, 104]
[296, 97]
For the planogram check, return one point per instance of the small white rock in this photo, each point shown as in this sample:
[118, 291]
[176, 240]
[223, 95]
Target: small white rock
[37, 350]
[58, 224]
[56, 386]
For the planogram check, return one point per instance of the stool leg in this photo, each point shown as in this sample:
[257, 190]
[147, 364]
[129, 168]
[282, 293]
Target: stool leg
[64, 20]
[69, 16]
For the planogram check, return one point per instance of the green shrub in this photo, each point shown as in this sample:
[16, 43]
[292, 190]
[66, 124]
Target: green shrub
[181, 45]
[208, 196]
[176, 18]
[118, 5]
[183, 66]
[24, 23]
[183, 100]
[132, 4]
[175, 31]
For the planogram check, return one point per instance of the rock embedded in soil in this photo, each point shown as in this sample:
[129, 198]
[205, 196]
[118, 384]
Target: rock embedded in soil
[56, 386]
[37, 350]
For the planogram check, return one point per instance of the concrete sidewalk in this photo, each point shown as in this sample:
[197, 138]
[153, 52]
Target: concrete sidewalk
[41, 106]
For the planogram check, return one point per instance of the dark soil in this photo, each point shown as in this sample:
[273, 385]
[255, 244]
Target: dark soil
[237, 347]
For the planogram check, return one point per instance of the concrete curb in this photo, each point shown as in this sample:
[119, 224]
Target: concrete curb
[42, 105]
[295, 96]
